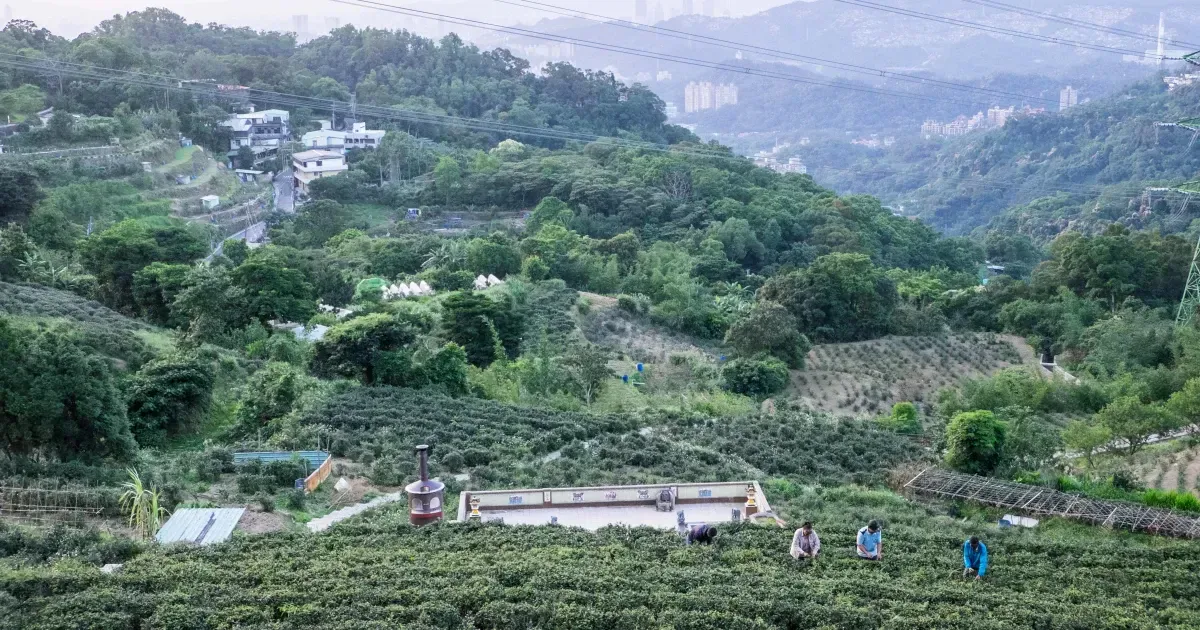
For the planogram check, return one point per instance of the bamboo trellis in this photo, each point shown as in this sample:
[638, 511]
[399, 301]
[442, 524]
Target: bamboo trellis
[44, 505]
[1044, 501]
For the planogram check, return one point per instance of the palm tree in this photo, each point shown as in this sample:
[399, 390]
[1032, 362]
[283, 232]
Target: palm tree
[142, 504]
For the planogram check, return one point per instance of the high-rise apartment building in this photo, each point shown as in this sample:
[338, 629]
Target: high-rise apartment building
[689, 7]
[706, 95]
[708, 8]
[1068, 97]
[640, 15]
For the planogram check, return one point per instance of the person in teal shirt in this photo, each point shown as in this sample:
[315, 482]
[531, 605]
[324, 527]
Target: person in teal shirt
[870, 544]
[975, 558]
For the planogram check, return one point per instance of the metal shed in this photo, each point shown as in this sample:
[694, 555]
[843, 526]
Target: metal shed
[200, 526]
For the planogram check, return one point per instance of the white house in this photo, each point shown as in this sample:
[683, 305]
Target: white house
[266, 129]
[329, 139]
[308, 166]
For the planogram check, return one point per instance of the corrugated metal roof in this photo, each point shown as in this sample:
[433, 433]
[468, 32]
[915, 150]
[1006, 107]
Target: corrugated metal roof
[200, 526]
[314, 458]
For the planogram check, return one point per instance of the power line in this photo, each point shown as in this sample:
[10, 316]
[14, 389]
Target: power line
[164, 82]
[770, 52]
[637, 52]
[1074, 22]
[296, 100]
[991, 29]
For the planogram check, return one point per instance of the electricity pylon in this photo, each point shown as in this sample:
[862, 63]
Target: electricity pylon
[1190, 124]
[1191, 289]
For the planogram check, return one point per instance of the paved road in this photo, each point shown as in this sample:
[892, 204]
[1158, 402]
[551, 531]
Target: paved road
[283, 191]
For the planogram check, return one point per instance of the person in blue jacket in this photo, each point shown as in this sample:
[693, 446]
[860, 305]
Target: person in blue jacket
[975, 558]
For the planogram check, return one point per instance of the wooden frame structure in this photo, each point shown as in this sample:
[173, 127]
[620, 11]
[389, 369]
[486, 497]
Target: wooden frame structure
[1044, 501]
[42, 505]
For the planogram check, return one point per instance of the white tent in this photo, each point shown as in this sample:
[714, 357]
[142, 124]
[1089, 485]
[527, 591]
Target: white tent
[481, 283]
[493, 280]
[425, 290]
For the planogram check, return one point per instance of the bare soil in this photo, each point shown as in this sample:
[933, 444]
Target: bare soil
[258, 522]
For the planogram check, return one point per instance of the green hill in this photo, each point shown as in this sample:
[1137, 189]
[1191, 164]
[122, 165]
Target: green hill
[1047, 171]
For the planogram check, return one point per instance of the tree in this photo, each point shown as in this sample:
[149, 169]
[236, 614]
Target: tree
[236, 250]
[549, 210]
[244, 158]
[975, 442]
[1135, 422]
[15, 247]
[1185, 404]
[535, 268]
[587, 367]
[169, 396]
[485, 328]
[759, 376]
[447, 174]
[270, 394]
[318, 221]
[447, 369]
[356, 348]
[273, 289]
[19, 194]
[58, 399]
[1086, 438]
[154, 289]
[497, 255]
[769, 328]
[840, 297]
[61, 126]
[209, 304]
[1030, 442]
[122, 250]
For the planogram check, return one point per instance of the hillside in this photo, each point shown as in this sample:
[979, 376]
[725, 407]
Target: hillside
[1085, 166]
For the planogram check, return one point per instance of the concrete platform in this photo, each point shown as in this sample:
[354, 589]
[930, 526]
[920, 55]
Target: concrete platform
[594, 517]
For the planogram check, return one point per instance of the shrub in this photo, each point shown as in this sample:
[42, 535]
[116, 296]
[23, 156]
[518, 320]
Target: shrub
[759, 376]
[296, 499]
[974, 442]
[904, 419]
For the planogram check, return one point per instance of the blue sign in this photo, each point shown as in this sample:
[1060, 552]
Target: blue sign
[640, 367]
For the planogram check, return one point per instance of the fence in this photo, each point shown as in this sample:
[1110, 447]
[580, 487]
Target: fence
[320, 463]
[320, 474]
[44, 505]
[1049, 502]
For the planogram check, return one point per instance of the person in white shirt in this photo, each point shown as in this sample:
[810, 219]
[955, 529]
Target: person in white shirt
[805, 542]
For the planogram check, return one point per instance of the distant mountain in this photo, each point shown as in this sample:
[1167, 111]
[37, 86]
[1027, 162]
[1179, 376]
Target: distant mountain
[855, 34]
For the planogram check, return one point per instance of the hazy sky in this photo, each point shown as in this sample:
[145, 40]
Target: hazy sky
[72, 17]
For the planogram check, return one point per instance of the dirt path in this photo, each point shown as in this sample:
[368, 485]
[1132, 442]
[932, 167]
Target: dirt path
[1191, 474]
[1170, 481]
